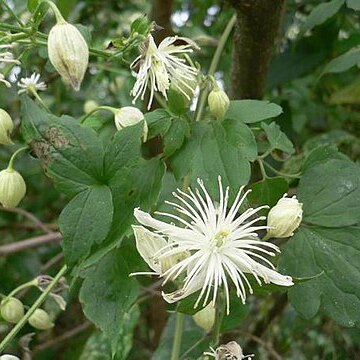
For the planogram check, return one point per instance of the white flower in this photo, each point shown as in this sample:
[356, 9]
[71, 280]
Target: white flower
[6, 56]
[159, 65]
[8, 357]
[31, 83]
[128, 116]
[221, 246]
[3, 80]
[232, 350]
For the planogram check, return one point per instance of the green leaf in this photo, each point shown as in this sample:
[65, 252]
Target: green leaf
[71, 155]
[124, 149]
[158, 122]
[353, 4]
[335, 252]
[107, 295]
[84, 221]
[240, 135]
[32, 5]
[208, 154]
[278, 139]
[175, 136]
[267, 192]
[343, 62]
[252, 111]
[330, 192]
[321, 13]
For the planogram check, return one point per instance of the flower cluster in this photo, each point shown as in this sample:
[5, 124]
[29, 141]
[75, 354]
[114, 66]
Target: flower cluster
[160, 67]
[213, 247]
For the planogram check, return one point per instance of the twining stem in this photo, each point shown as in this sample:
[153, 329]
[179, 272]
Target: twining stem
[99, 108]
[179, 328]
[214, 63]
[10, 336]
[14, 155]
[262, 169]
[295, 176]
[219, 315]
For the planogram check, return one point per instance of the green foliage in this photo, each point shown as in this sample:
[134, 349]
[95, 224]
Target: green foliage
[277, 139]
[343, 62]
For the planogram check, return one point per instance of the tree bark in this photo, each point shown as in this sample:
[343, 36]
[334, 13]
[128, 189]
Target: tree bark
[161, 13]
[256, 31]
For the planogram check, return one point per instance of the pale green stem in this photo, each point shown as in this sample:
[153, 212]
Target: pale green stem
[38, 98]
[214, 63]
[57, 13]
[21, 287]
[295, 176]
[12, 12]
[14, 155]
[262, 169]
[10, 336]
[219, 315]
[99, 108]
[179, 328]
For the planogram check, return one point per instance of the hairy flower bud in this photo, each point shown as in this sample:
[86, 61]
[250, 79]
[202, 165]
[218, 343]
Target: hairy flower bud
[218, 103]
[284, 218]
[8, 357]
[12, 188]
[69, 53]
[205, 318]
[40, 319]
[12, 310]
[129, 115]
[6, 127]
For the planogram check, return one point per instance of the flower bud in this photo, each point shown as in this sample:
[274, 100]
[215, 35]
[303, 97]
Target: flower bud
[284, 218]
[90, 106]
[6, 127]
[205, 318]
[69, 53]
[129, 115]
[218, 103]
[12, 310]
[8, 357]
[12, 188]
[40, 319]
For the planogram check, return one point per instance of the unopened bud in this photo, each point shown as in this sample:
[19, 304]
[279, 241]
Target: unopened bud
[284, 218]
[12, 188]
[12, 310]
[6, 127]
[40, 319]
[69, 53]
[129, 115]
[205, 318]
[8, 357]
[218, 103]
[90, 106]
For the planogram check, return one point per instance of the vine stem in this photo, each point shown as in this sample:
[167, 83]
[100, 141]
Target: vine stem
[10, 336]
[214, 63]
[12, 12]
[294, 176]
[219, 315]
[179, 328]
[14, 155]
[99, 108]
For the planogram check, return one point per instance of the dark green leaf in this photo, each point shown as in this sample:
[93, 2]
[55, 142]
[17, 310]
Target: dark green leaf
[335, 252]
[353, 4]
[86, 220]
[330, 192]
[158, 122]
[71, 155]
[175, 136]
[107, 295]
[321, 13]
[252, 111]
[343, 62]
[278, 139]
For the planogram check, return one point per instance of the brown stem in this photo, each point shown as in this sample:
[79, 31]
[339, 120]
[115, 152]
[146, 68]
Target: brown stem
[256, 32]
[29, 243]
[161, 13]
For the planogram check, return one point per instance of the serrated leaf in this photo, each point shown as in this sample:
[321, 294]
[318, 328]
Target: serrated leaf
[321, 13]
[353, 4]
[241, 136]
[107, 295]
[335, 252]
[330, 192]
[71, 155]
[252, 111]
[343, 62]
[84, 221]
[208, 154]
[278, 139]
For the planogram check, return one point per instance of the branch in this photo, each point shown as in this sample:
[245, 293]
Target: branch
[29, 243]
[256, 32]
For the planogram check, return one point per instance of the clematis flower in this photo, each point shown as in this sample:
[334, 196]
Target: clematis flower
[160, 65]
[220, 246]
[31, 84]
[231, 350]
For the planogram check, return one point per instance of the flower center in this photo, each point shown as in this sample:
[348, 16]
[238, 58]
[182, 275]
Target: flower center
[220, 238]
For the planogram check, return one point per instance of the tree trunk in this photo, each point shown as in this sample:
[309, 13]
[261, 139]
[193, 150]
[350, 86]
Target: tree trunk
[256, 32]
